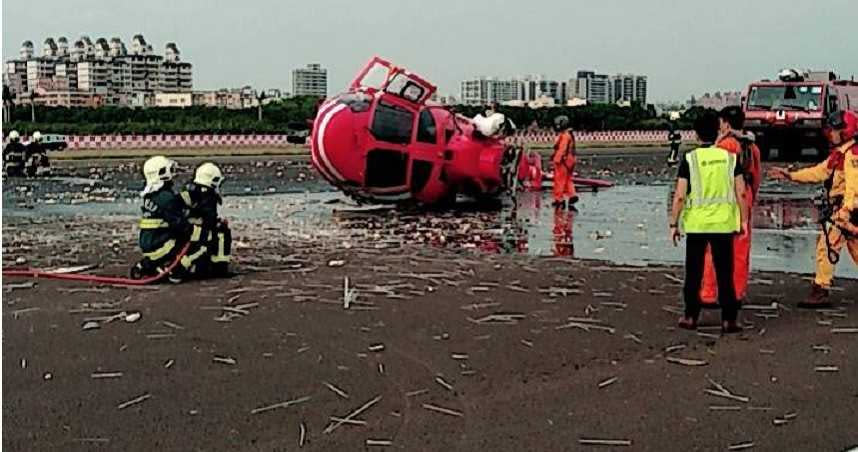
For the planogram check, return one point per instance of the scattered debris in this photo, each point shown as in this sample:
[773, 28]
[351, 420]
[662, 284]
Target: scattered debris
[376, 347]
[826, 369]
[604, 442]
[336, 263]
[722, 391]
[686, 361]
[608, 382]
[224, 360]
[336, 390]
[302, 434]
[379, 442]
[285, 404]
[330, 428]
[91, 325]
[444, 383]
[844, 330]
[97, 375]
[442, 410]
[742, 446]
[133, 401]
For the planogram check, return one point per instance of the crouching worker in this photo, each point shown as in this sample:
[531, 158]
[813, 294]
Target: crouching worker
[211, 233]
[164, 227]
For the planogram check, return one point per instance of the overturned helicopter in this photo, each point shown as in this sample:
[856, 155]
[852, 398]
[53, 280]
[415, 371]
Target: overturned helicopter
[384, 141]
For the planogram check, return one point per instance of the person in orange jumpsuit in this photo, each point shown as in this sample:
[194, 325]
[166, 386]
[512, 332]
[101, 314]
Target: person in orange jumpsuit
[732, 139]
[839, 173]
[564, 164]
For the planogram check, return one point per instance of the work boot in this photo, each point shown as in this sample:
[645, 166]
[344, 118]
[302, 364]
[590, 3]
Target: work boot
[731, 326]
[816, 299]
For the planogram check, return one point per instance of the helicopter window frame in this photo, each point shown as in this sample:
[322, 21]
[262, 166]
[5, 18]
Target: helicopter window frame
[389, 124]
[403, 86]
[427, 127]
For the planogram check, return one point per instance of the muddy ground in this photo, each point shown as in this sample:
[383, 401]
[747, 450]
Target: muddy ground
[443, 348]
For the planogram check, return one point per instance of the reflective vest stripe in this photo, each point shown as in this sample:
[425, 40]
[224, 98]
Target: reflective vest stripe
[153, 223]
[161, 252]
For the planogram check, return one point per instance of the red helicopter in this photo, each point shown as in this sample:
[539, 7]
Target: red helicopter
[384, 141]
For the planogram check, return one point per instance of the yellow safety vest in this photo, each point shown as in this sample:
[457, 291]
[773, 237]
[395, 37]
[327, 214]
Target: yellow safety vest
[711, 206]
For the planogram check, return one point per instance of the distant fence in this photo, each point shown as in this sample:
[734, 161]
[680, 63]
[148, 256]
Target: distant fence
[276, 140]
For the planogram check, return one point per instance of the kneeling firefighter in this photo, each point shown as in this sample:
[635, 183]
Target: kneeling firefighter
[214, 237]
[14, 155]
[164, 226]
[839, 174]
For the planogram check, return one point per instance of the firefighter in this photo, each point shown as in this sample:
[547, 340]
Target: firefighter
[164, 226]
[733, 140]
[14, 155]
[839, 175]
[202, 198]
[564, 164]
[36, 156]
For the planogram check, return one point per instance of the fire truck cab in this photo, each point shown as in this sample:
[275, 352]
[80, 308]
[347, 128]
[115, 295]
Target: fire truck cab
[789, 114]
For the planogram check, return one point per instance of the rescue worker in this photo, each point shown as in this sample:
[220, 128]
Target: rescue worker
[36, 155]
[733, 140]
[164, 226]
[564, 164]
[14, 155]
[202, 198]
[712, 182]
[839, 175]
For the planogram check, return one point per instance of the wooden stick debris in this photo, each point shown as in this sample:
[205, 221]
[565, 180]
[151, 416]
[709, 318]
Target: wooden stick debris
[727, 395]
[330, 428]
[379, 442]
[686, 361]
[302, 434]
[97, 375]
[224, 360]
[336, 390]
[586, 327]
[826, 369]
[844, 330]
[442, 410]
[608, 382]
[285, 404]
[416, 393]
[133, 401]
[604, 442]
[742, 446]
[444, 383]
[347, 421]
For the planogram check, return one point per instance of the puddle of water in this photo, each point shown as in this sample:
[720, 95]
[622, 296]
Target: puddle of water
[625, 225]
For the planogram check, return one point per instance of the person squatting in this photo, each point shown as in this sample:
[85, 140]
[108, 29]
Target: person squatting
[171, 221]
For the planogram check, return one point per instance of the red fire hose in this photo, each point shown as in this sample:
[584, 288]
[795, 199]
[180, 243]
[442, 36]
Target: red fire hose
[35, 273]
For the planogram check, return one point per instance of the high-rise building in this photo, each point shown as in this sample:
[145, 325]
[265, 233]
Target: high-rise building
[102, 68]
[482, 91]
[310, 81]
[604, 89]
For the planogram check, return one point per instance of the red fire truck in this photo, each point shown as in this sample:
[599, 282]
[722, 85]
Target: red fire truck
[788, 114]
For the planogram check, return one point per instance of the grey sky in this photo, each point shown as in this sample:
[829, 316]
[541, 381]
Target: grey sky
[685, 46]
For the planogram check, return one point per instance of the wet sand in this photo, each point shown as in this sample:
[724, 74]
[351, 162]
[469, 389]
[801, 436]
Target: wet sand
[454, 342]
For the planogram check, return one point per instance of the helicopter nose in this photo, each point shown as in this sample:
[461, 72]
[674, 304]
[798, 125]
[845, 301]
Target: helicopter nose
[335, 151]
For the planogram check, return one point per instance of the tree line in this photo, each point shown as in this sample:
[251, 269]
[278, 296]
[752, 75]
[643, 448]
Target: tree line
[296, 114]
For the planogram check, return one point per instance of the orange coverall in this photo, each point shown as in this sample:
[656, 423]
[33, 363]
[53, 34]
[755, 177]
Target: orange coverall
[564, 165]
[741, 243]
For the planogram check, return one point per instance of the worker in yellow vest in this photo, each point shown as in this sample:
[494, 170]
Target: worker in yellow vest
[710, 201]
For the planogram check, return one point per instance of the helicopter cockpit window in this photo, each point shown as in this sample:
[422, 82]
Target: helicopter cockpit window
[426, 130]
[392, 123]
[403, 86]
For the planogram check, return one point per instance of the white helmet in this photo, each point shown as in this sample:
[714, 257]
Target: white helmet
[37, 136]
[157, 170]
[208, 175]
[14, 136]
